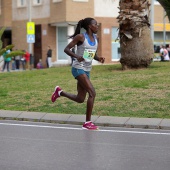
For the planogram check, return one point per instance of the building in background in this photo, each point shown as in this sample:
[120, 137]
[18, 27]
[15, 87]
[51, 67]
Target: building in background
[161, 26]
[55, 20]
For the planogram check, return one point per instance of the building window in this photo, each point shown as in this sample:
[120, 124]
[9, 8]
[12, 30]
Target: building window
[57, 0]
[37, 2]
[21, 3]
[81, 0]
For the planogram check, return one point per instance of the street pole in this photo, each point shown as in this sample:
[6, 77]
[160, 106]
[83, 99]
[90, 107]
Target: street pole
[164, 28]
[30, 19]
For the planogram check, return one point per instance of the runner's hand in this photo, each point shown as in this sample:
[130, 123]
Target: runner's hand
[101, 59]
[80, 59]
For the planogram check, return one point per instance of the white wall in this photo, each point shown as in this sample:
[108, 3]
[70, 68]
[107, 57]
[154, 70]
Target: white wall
[37, 11]
[106, 8]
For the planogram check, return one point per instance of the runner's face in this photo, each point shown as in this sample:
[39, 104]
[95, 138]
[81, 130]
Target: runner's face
[94, 26]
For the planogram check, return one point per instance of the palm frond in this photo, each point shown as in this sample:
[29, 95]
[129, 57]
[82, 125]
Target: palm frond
[14, 53]
[166, 5]
[2, 31]
[9, 47]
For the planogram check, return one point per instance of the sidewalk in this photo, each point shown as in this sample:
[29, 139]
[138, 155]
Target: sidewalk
[128, 122]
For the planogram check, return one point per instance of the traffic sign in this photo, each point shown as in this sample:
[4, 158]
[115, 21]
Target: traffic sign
[30, 38]
[30, 28]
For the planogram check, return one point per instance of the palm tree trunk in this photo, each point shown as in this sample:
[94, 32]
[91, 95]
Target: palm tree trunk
[135, 40]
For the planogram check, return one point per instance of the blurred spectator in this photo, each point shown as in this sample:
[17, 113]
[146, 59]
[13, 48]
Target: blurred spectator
[168, 48]
[49, 55]
[31, 61]
[13, 63]
[27, 59]
[161, 53]
[39, 64]
[6, 60]
[17, 61]
[23, 62]
[1, 62]
[164, 54]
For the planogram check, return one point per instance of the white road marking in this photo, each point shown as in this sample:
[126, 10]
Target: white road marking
[72, 128]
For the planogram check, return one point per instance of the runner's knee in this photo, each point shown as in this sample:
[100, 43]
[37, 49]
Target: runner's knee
[80, 100]
[92, 93]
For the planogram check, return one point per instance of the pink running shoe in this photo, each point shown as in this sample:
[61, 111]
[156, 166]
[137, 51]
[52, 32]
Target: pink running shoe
[56, 93]
[89, 126]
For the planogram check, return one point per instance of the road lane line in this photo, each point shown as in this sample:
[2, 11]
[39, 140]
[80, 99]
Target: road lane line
[72, 128]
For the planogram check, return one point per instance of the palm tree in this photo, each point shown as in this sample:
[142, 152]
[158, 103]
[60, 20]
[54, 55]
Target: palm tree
[135, 40]
[9, 47]
[166, 5]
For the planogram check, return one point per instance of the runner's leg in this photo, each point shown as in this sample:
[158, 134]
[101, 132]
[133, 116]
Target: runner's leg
[83, 86]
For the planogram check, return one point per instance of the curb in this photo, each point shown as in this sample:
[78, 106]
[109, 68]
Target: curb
[106, 121]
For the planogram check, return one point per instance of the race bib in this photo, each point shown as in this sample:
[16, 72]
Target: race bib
[89, 54]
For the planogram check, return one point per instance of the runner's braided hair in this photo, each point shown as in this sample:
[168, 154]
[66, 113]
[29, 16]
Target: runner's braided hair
[84, 23]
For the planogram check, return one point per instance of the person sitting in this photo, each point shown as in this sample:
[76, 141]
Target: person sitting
[39, 64]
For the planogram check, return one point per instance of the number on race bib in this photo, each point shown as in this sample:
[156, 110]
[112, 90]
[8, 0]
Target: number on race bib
[89, 54]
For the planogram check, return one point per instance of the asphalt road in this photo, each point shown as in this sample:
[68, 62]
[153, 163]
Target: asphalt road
[42, 146]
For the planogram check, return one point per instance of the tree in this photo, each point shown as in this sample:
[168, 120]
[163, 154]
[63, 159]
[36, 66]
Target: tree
[166, 5]
[9, 47]
[135, 40]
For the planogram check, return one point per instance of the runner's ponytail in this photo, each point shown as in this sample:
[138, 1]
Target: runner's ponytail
[84, 23]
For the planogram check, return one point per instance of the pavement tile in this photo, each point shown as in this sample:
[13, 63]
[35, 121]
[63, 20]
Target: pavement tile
[151, 123]
[55, 117]
[32, 116]
[112, 121]
[7, 114]
[79, 119]
[165, 124]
